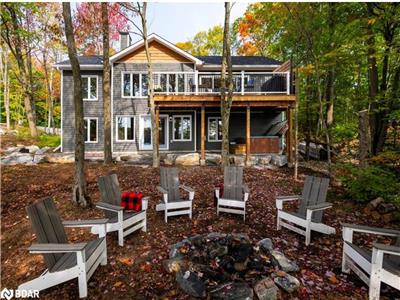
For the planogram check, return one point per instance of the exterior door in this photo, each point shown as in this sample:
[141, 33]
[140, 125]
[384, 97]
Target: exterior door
[146, 142]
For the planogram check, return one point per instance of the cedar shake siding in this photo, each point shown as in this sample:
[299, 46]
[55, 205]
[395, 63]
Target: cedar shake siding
[92, 109]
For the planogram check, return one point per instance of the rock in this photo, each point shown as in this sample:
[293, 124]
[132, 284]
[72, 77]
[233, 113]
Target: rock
[279, 160]
[24, 150]
[213, 159]
[265, 289]
[284, 263]
[241, 265]
[215, 235]
[387, 218]
[232, 291]
[174, 251]
[218, 250]
[375, 203]
[12, 150]
[287, 283]
[239, 161]
[17, 158]
[242, 252]
[265, 160]
[385, 208]
[38, 158]
[32, 148]
[191, 283]
[42, 150]
[60, 158]
[169, 159]
[174, 265]
[190, 159]
[266, 245]
[127, 158]
[375, 215]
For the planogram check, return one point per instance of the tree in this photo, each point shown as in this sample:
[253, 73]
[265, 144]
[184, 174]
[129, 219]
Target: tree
[106, 85]
[226, 87]
[17, 33]
[5, 79]
[79, 195]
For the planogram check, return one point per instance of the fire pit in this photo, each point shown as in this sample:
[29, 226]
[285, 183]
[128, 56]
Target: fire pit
[229, 266]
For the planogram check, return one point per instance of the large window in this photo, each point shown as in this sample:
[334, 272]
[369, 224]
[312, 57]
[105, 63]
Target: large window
[90, 130]
[134, 85]
[125, 128]
[89, 88]
[214, 129]
[182, 128]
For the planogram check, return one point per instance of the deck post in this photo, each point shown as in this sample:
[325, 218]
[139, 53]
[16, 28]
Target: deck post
[242, 82]
[203, 120]
[248, 162]
[157, 121]
[196, 82]
[289, 137]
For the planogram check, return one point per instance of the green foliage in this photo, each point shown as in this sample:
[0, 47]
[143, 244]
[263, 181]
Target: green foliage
[344, 132]
[368, 183]
[47, 140]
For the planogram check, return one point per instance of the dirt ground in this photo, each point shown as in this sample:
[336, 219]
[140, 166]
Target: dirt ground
[135, 271]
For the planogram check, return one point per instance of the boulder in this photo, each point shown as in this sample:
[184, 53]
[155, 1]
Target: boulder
[32, 148]
[213, 159]
[42, 150]
[174, 265]
[12, 150]
[385, 208]
[283, 262]
[266, 245]
[60, 158]
[191, 283]
[239, 161]
[265, 289]
[17, 159]
[169, 159]
[265, 160]
[287, 283]
[279, 160]
[190, 159]
[375, 203]
[232, 291]
[38, 158]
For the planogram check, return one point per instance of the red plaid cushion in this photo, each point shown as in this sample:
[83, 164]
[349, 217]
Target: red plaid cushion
[131, 201]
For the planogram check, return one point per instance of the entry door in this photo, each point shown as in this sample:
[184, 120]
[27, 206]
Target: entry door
[146, 142]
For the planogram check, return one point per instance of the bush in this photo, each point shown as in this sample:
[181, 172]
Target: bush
[366, 184]
[47, 140]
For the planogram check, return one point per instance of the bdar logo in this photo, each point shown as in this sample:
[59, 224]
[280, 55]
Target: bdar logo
[6, 294]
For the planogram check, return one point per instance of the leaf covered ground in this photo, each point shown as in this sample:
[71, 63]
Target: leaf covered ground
[135, 271]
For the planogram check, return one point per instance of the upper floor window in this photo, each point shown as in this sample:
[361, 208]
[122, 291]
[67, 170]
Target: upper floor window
[90, 132]
[182, 128]
[89, 88]
[214, 129]
[134, 85]
[125, 128]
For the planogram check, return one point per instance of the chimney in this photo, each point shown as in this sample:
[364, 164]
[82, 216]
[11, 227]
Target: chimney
[124, 40]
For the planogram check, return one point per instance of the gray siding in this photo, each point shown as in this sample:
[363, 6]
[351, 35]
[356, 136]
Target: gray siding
[90, 109]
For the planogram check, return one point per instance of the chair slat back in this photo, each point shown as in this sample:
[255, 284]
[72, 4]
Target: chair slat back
[314, 192]
[233, 183]
[47, 226]
[170, 182]
[110, 192]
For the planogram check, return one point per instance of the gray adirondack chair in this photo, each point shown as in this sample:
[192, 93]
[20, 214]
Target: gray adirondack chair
[309, 215]
[382, 264]
[65, 261]
[236, 193]
[171, 203]
[119, 220]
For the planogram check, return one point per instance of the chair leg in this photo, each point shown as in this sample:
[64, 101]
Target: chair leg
[121, 236]
[278, 223]
[144, 228]
[166, 216]
[82, 285]
[308, 235]
[374, 287]
[345, 268]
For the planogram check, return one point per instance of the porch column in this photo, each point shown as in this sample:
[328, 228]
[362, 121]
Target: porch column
[157, 135]
[203, 121]
[248, 135]
[289, 136]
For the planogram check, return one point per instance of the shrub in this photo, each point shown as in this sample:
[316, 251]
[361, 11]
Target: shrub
[368, 183]
[47, 140]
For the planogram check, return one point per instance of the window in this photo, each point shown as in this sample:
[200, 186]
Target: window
[125, 128]
[89, 88]
[182, 128]
[214, 129]
[134, 85]
[90, 130]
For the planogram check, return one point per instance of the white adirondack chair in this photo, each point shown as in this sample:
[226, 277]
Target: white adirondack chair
[309, 215]
[119, 220]
[65, 261]
[171, 202]
[382, 264]
[235, 194]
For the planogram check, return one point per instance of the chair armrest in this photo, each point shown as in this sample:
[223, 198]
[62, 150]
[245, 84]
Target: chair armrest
[162, 190]
[108, 206]
[245, 189]
[320, 206]
[145, 202]
[186, 188]
[388, 249]
[280, 199]
[373, 230]
[57, 248]
[85, 223]
[217, 192]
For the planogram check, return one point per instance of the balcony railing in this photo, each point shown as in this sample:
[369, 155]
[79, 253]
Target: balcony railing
[200, 83]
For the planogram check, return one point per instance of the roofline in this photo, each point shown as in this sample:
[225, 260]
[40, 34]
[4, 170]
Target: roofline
[151, 37]
[256, 67]
[83, 67]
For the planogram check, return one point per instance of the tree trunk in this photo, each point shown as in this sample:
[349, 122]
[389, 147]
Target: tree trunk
[79, 190]
[6, 81]
[226, 87]
[308, 97]
[150, 80]
[329, 91]
[50, 117]
[106, 85]
[364, 136]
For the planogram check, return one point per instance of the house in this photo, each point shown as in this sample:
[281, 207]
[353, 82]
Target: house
[187, 102]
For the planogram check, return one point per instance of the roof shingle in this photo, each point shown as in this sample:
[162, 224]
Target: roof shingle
[85, 60]
[240, 60]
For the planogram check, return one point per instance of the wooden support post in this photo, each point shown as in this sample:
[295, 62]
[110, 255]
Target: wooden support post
[157, 141]
[248, 135]
[289, 141]
[203, 121]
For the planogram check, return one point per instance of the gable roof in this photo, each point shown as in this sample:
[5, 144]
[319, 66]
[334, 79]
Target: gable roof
[154, 37]
[85, 61]
[241, 60]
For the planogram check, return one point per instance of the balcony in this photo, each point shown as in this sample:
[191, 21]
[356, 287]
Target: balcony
[209, 83]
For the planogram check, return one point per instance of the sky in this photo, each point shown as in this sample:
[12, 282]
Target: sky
[179, 22]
